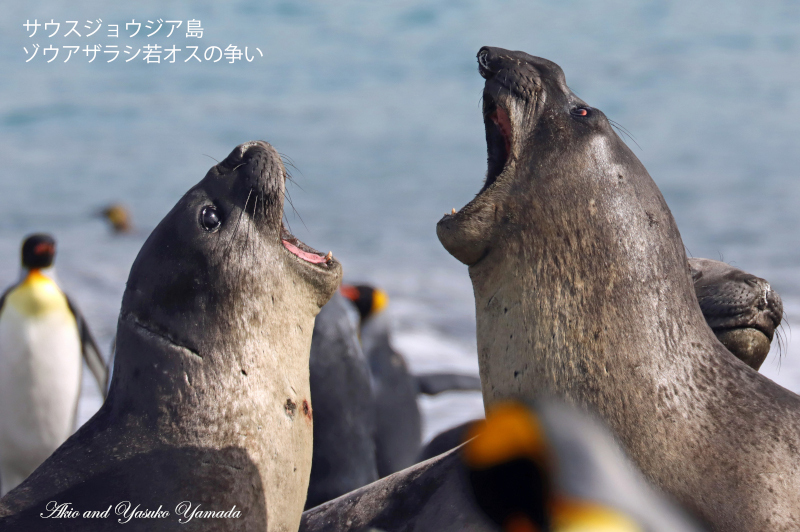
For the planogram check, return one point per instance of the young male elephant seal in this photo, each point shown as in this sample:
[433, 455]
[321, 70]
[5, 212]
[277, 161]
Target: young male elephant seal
[583, 292]
[209, 403]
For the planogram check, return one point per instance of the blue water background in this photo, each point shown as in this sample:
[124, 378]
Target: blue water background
[378, 106]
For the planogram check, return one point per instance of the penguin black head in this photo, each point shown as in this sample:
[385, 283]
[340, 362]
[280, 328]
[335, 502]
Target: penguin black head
[367, 299]
[38, 251]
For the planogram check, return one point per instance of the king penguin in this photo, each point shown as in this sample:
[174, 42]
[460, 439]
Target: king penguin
[42, 338]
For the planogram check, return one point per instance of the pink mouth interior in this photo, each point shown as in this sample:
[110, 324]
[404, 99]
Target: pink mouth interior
[500, 117]
[313, 258]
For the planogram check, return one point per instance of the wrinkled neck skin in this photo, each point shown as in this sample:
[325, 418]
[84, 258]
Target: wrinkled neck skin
[601, 290]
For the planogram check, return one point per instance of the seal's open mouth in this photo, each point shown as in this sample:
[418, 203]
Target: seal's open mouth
[498, 138]
[302, 251]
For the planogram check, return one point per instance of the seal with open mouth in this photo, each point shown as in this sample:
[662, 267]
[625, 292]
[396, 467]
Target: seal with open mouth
[583, 291]
[209, 402]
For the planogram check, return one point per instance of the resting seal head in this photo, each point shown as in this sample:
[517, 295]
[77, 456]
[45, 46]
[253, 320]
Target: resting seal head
[743, 310]
[583, 292]
[209, 401]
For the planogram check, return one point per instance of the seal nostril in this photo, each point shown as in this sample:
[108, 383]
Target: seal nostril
[483, 63]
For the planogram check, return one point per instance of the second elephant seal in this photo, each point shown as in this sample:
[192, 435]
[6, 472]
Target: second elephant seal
[583, 292]
[209, 403]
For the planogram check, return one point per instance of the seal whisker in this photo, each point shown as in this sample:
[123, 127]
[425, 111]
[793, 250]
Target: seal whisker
[249, 226]
[624, 131]
[238, 221]
[288, 198]
[292, 181]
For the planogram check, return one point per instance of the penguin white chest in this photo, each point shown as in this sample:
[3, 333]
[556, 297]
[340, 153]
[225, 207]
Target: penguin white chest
[40, 375]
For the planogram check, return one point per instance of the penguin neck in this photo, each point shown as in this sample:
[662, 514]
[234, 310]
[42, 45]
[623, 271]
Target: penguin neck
[37, 294]
[38, 274]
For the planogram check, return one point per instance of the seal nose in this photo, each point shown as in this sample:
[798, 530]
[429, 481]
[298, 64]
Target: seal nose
[258, 154]
[484, 56]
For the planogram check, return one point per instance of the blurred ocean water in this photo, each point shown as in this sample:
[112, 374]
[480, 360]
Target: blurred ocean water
[378, 107]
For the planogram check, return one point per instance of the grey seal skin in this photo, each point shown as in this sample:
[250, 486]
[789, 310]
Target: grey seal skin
[743, 310]
[446, 440]
[439, 495]
[583, 292]
[344, 408]
[209, 401]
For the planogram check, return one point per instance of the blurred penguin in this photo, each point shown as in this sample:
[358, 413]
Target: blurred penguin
[344, 407]
[118, 216]
[370, 302]
[398, 428]
[398, 424]
[42, 338]
[554, 468]
[538, 467]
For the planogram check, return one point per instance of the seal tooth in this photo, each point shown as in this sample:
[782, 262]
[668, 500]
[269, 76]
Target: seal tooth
[329, 256]
[454, 211]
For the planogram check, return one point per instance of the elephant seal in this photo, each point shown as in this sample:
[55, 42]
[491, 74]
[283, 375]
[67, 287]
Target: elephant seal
[590, 483]
[743, 310]
[209, 403]
[583, 292]
[344, 408]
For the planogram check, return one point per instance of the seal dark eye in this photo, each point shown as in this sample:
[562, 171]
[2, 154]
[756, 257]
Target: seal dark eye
[580, 111]
[209, 219]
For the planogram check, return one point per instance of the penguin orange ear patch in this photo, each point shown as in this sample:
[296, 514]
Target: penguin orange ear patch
[380, 300]
[44, 248]
[572, 515]
[520, 523]
[350, 292]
